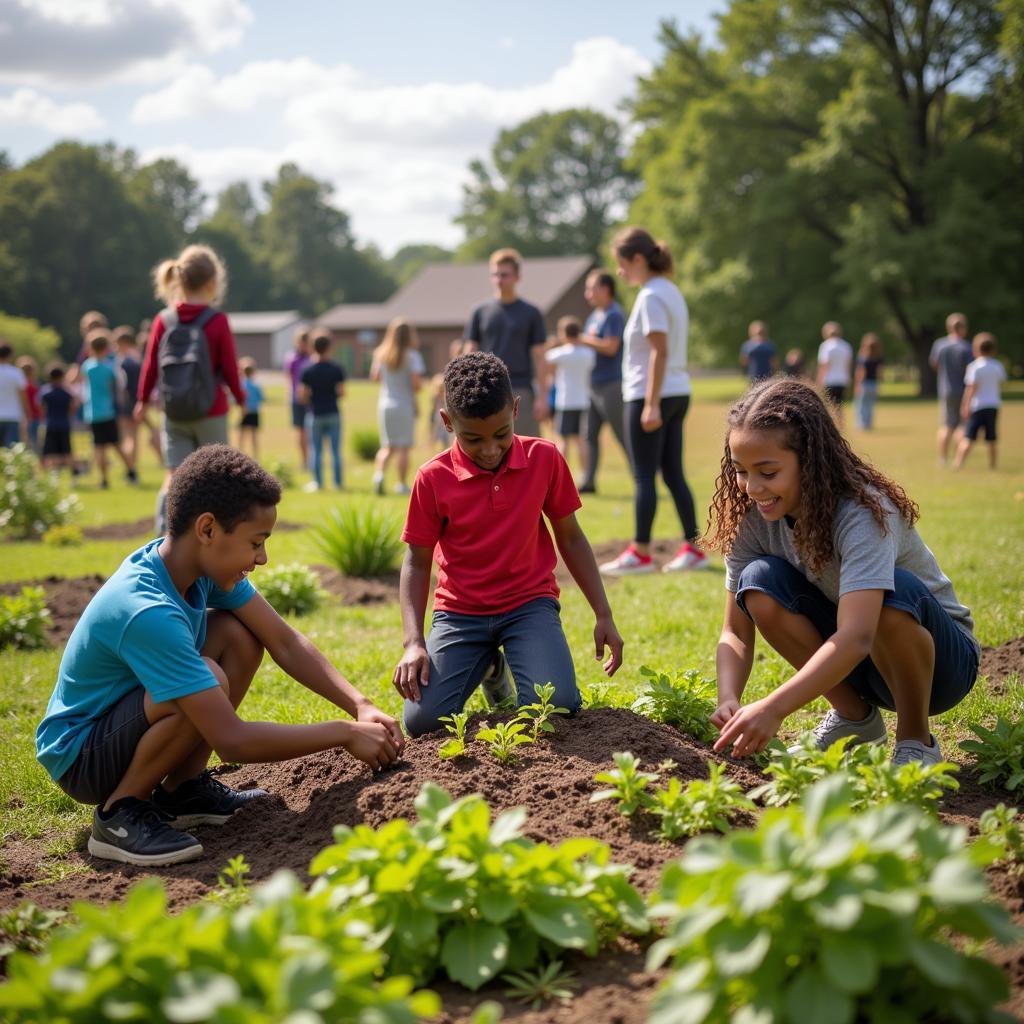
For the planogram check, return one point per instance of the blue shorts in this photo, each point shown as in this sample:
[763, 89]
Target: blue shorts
[956, 657]
[462, 648]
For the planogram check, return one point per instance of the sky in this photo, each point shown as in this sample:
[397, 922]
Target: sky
[388, 101]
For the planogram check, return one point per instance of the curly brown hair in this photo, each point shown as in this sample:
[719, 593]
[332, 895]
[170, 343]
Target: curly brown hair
[829, 470]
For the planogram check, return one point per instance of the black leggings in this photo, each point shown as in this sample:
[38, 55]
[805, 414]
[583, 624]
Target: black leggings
[660, 449]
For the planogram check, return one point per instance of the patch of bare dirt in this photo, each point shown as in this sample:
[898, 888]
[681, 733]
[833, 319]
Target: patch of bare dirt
[999, 662]
[65, 597]
[357, 589]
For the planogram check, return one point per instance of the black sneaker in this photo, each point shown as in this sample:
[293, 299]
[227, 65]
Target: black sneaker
[135, 832]
[203, 801]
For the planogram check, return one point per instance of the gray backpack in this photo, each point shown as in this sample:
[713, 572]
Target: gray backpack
[185, 379]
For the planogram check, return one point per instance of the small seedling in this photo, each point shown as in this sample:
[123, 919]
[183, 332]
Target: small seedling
[456, 725]
[1003, 830]
[538, 987]
[704, 805]
[687, 702]
[628, 784]
[540, 712]
[1000, 753]
[503, 738]
[232, 883]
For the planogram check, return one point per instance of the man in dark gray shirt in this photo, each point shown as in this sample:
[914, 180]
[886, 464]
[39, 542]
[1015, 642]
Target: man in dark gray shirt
[514, 331]
[949, 358]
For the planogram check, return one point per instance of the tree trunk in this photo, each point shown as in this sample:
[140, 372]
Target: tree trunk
[921, 344]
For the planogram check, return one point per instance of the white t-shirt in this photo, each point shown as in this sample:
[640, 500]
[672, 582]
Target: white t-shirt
[986, 375]
[660, 306]
[572, 364]
[12, 381]
[836, 355]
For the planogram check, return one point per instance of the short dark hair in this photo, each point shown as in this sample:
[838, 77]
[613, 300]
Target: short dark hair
[604, 280]
[5, 350]
[55, 372]
[322, 341]
[221, 480]
[476, 385]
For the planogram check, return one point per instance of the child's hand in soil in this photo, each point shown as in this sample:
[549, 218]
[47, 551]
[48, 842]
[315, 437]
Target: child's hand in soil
[412, 672]
[750, 729]
[724, 712]
[371, 743]
[372, 713]
[606, 635]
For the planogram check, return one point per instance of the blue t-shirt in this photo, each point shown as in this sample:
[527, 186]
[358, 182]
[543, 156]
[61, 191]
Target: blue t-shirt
[137, 631]
[606, 323]
[253, 395]
[56, 404]
[100, 390]
[759, 355]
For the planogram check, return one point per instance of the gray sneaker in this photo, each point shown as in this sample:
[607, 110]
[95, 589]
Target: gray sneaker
[137, 832]
[498, 685]
[834, 727]
[914, 750]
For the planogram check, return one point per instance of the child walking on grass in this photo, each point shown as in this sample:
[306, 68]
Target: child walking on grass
[161, 659]
[249, 424]
[983, 380]
[822, 559]
[572, 362]
[480, 507]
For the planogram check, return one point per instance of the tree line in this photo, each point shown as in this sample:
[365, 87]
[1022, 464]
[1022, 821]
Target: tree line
[859, 160]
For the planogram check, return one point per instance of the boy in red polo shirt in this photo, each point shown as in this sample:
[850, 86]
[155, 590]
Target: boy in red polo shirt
[478, 508]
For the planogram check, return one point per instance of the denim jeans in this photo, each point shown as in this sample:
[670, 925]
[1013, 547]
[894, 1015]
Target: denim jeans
[10, 433]
[956, 658]
[318, 428]
[462, 649]
[865, 404]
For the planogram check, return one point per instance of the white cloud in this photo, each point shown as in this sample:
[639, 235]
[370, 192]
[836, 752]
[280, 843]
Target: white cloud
[28, 108]
[70, 42]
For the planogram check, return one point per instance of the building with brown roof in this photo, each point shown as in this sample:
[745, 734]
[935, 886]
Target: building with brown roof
[265, 337]
[439, 300]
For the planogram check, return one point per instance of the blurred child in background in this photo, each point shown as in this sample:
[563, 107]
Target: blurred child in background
[58, 406]
[249, 425]
[982, 398]
[28, 367]
[866, 378]
[572, 362]
[101, 391]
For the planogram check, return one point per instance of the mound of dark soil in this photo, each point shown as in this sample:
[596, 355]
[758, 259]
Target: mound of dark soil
[354, 590]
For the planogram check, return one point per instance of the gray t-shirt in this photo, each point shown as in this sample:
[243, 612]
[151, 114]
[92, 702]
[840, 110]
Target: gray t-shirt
[953, 360]
[509, 330]
[864, 558]
[396, 385]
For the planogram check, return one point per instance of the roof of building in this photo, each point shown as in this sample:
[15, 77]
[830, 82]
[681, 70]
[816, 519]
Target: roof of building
[263, 323]
[443, 294]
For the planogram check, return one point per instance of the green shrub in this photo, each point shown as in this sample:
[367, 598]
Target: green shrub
[30, 338]
[1001, 828]
[822, 914]
[474, 898]
[283, 472]
[686, 701]
[24, 619]
[286, 955]
[360, 539]
[31, 500]
[365, 443]
[67, 536]
[292, 589]
[1000, 754]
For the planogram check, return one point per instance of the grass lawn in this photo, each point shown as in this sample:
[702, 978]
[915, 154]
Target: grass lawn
[973, 521]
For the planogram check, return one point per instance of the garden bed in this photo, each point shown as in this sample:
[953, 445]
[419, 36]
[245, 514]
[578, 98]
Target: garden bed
[553, 781]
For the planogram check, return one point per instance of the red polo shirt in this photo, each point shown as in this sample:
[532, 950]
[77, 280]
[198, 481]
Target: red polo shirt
[491, 546]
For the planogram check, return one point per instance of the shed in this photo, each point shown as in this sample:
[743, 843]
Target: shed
[265, 337]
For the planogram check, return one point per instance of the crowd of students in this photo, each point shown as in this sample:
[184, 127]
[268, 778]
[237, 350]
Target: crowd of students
[822, 556]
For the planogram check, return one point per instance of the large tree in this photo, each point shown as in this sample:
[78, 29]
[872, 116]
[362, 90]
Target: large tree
[553, 186]
[837, 159]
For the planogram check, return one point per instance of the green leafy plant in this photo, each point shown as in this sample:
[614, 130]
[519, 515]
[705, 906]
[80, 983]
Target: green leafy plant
[233, 883]
[629, 784]
[31, 501]
[458, 892]
[1000, 752]
[291, 589]
[503, 738]
[360, 539]
[24, 619]
[1001, 828]
[703, 805]
[538, 714]
[365, 443]
[27, 927]
[686, 701]
[284, 473]
[285, 955]
[821, 914]
[67, 535]
[535, 988]
[596, 697]
[456, 726]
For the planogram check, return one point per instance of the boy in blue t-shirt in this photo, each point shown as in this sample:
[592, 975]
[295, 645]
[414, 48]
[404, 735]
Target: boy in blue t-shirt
[99, 405]
[249, 425]
[164, 654]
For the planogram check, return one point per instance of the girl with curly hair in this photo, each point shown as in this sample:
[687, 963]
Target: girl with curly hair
[822, 559]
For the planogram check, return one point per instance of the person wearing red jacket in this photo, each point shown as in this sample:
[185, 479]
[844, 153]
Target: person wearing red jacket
[191, 283]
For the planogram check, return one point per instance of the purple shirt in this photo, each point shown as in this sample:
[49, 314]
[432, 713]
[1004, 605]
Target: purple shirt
[294, 365]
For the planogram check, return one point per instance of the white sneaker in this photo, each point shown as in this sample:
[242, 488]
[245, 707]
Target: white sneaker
[914, 750]
[378, 484]
[686, 558]
[833, 726]
[403, 489]
[312, 487]
[628, 563]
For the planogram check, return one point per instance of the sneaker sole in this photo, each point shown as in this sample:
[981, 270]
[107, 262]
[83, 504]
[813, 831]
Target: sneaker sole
[699, 567]
[104, 851]
[639, 570]
[191, 820]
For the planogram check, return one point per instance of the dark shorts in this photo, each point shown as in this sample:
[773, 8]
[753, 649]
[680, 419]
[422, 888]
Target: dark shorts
[108, 750]
[298, 415]
[835, 393]
[105, 432]
[250, 419]
[981, 419]
[567, 422]
[57, 441]
[956, 657]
